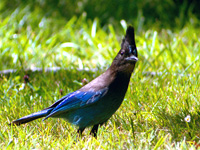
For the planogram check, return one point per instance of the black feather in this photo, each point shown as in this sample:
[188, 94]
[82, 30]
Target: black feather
[130, 35]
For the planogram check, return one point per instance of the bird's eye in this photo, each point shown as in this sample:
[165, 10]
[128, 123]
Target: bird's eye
[122, 52]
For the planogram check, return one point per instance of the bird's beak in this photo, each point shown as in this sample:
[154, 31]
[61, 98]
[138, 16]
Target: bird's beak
[132, 58]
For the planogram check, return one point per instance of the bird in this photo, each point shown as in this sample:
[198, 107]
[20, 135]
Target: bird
[95, 103]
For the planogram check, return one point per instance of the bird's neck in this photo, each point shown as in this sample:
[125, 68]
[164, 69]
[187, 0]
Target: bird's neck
[119, 79]
[119, 73]
[111, 78]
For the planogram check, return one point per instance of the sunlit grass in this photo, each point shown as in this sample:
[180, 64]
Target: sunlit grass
[153, 112]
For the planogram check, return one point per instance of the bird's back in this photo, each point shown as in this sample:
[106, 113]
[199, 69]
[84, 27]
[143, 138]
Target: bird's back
[104, 108]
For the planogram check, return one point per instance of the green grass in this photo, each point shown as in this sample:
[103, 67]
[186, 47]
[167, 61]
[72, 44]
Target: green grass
[152, 114]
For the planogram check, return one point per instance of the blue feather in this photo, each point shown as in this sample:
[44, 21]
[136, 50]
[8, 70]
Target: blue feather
[76, 100]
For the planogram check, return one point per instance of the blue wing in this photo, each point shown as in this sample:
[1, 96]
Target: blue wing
[76, 100]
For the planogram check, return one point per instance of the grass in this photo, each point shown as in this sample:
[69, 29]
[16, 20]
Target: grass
[153, 112]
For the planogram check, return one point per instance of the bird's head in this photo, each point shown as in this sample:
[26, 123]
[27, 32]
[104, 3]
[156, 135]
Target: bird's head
[127, 56]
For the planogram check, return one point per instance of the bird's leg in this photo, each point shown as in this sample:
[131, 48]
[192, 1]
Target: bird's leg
[94, 130]
[80, 131]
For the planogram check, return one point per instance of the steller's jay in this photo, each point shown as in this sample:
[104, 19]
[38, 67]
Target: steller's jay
[97, 101]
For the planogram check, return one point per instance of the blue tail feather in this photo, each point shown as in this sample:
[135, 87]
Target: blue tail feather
[32, 117]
